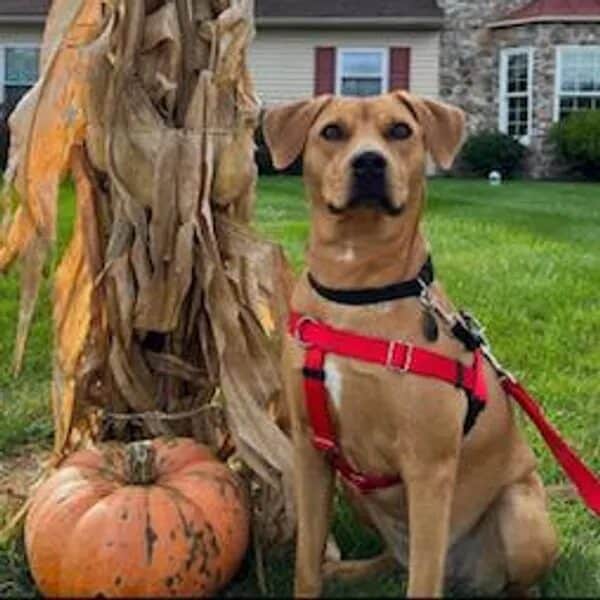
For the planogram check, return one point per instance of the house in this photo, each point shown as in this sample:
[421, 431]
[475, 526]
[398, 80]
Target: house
[514, 65]
[21, 26]
[521, 65]
[352, 47]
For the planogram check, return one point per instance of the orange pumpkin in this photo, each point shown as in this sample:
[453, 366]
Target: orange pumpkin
[160, 518]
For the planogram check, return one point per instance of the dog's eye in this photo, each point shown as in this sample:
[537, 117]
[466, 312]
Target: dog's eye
[399, 131]
[333, 133]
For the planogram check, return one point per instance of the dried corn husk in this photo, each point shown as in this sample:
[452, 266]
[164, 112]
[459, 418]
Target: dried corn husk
[166, 304]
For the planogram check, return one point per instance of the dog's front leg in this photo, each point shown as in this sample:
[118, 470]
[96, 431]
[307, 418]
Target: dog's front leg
[430, 493]
[314, 484]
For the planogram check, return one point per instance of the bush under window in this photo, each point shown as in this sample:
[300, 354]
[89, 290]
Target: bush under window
[577, 142]
[488, 151]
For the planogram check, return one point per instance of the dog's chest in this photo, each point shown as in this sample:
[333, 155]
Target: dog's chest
[334, 382]
[352, 388]
[362, 400]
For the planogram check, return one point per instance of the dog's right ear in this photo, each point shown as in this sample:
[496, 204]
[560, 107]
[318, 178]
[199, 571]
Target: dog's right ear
[286, 128]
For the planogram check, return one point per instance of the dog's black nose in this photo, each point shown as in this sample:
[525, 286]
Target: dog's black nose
[369, 164]
[370, 187]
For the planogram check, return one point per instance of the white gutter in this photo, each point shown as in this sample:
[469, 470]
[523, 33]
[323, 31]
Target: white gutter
[351, 22]
[22, 19]
[545, 19]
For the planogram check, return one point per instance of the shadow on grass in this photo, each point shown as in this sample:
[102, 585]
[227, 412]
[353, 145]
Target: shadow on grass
[356, 542]
[572, 571]
[15, 578]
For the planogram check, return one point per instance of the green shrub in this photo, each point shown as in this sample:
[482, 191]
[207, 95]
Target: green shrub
[577, 142]
[488, 151]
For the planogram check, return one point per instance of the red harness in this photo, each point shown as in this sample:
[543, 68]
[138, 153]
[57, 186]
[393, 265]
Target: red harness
[320, 339]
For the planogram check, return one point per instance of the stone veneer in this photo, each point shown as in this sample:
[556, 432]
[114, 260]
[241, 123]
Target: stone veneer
[470, 67]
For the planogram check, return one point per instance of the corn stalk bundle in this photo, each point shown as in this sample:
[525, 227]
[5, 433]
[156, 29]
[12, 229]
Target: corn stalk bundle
[166, 304]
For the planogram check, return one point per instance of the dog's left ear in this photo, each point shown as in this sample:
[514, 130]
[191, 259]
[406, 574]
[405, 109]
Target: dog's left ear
[443, 126]
[286, 128]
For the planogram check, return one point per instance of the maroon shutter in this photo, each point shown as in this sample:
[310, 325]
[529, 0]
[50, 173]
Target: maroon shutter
[399, 69]
[324, 71]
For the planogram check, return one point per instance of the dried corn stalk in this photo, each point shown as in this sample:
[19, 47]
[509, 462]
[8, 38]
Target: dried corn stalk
[166, 305]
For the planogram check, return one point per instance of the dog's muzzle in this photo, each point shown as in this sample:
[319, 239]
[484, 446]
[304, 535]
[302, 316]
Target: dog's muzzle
[370, 184]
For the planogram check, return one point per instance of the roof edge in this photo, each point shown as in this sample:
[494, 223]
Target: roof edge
[423, 23]
[541, 19]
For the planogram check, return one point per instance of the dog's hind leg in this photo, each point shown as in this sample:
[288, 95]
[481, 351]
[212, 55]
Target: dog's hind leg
[527, 534]
[512, 547]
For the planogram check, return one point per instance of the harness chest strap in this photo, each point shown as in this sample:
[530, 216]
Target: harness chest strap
[319, 340]
[324, 434]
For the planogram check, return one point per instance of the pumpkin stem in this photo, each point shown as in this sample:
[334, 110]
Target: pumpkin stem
[140, 463]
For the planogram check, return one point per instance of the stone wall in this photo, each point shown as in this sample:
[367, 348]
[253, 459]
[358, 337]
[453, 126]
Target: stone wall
[470, 67]
[468, 73]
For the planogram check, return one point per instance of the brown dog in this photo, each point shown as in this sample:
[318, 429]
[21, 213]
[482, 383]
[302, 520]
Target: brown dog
[475, 506]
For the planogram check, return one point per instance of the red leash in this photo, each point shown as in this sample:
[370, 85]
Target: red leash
[319, 339]
[586, 482]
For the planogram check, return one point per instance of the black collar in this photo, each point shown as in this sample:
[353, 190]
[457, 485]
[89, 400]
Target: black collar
[396, 291]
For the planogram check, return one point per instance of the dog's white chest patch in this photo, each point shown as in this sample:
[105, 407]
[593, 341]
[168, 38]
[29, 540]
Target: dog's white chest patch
[348, 255]
[333, 382]
[385, 307]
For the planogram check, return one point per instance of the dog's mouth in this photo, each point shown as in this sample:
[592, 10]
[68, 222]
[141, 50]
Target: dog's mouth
[369, 195]
[383, 207]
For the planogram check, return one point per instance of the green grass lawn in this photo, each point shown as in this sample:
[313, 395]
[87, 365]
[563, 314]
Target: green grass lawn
[524, 257]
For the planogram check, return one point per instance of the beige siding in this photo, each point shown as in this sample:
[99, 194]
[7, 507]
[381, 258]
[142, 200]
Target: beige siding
[282, 60]
[20, 34]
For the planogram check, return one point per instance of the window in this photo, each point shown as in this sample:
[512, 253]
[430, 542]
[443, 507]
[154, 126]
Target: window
[362, 72]
[20, 71]
[516, 75]
[577, 79]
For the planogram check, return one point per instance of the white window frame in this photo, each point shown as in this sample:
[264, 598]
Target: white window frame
[3, 48]
[558, 93]
[504, 95]
[385, 66]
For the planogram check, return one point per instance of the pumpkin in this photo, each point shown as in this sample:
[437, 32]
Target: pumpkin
[159, 518]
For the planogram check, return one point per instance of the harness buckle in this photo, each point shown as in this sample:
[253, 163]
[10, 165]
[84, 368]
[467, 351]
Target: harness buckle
[298, 331]
[425, 295]
[389, 361]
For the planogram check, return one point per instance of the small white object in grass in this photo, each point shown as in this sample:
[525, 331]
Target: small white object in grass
[495, 178]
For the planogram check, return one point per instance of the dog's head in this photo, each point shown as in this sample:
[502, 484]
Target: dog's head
[367, 153]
